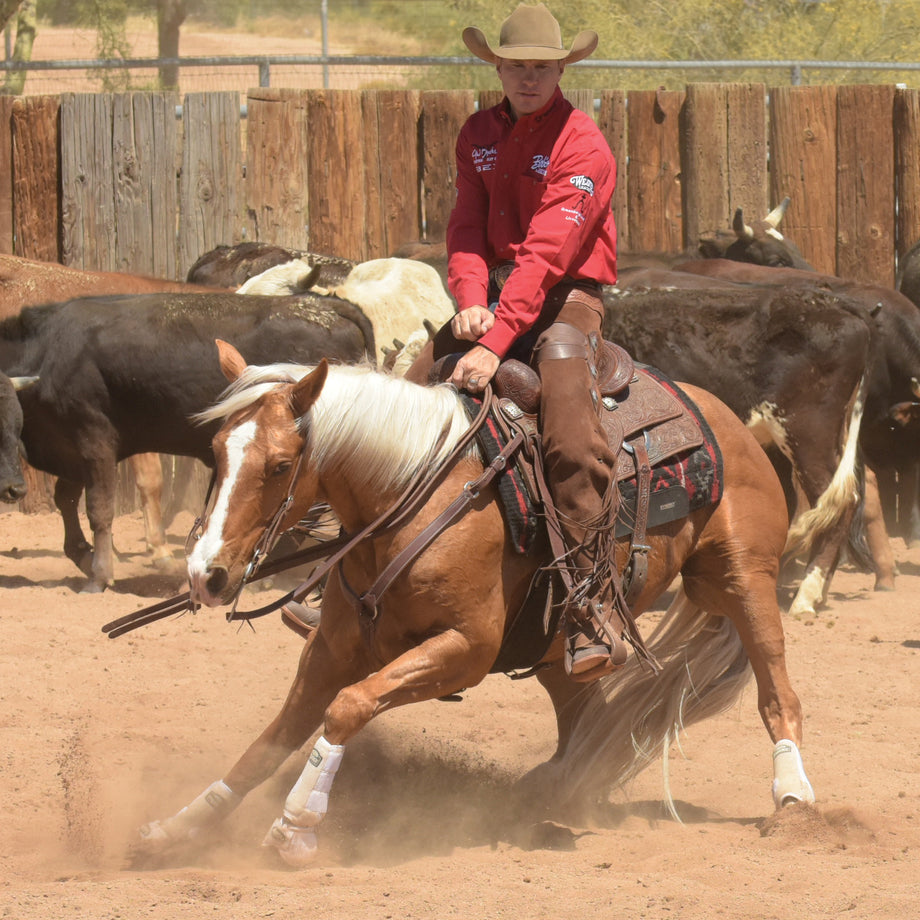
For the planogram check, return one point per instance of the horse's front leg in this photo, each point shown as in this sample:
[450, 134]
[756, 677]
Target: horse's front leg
[148, 477]
[316, 683]
[440, 665]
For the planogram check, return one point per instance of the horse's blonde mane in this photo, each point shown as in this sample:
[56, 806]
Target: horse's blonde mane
[364, 421]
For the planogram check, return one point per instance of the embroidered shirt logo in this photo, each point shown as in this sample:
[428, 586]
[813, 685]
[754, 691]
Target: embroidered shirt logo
[540, 164]
[583, 183]
[484, 158]
[573, 215]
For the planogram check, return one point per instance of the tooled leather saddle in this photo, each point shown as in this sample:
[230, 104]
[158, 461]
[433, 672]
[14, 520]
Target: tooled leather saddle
[652, 428]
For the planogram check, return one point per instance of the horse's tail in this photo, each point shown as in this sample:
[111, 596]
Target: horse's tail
[638, 715]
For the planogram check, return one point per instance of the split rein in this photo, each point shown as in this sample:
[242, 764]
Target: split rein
[333, 551]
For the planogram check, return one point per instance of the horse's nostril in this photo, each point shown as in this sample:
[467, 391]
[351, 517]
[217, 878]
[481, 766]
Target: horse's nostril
[217, 580]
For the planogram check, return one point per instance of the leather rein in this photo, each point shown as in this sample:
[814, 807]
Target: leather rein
[333, 551]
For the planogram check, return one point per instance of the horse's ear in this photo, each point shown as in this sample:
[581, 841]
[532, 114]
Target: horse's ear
[232, 363]
[307, 389]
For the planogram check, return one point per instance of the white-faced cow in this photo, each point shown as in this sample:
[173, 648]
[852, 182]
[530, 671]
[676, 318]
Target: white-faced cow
[122, 375]
[232, 266]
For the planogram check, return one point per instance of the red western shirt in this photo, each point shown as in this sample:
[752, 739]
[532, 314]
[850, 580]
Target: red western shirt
[536, 192]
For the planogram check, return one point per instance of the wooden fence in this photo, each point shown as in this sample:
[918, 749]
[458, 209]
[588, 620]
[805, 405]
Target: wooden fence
[118, 182]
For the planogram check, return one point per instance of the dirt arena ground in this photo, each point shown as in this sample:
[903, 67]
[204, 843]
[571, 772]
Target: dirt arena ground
[99, 736]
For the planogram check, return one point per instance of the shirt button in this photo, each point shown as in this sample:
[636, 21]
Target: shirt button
[501, 213]
[506, 175]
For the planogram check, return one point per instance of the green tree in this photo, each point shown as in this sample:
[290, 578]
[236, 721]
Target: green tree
[710, 30]
[24, 12]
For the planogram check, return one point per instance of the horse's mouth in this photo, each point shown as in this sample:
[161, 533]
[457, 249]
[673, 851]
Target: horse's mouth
[213, 588]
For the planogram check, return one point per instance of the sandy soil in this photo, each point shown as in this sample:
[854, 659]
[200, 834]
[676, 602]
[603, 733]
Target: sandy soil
[99, 736]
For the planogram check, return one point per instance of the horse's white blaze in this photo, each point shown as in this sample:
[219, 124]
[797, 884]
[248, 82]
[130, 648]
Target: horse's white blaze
[211, 541]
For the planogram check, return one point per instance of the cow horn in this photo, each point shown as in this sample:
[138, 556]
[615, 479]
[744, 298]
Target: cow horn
[777, 214]
[915, 387]
[21, 383]
[742, 230]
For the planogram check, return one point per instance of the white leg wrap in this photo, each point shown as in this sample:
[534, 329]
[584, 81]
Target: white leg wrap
[213, 805]
[790, 784]
[308, 801]
[306, 805]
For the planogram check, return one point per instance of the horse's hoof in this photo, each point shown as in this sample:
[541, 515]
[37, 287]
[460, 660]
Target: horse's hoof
[151, 840]
[790, 784]
[296, 845]
[92, 587]
[885, 585]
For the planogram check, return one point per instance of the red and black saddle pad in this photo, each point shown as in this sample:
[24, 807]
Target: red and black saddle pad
[682, 483]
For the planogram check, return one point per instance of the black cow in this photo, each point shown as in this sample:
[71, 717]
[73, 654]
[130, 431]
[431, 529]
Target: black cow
[12, 485]
[758, 244]
[790, 362]
[122, 375]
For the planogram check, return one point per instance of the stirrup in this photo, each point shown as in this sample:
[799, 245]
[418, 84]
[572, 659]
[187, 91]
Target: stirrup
[590, 650]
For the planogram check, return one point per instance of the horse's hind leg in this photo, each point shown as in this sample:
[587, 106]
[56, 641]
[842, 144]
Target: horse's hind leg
[733, 572]
[750, 603]
[537, 790]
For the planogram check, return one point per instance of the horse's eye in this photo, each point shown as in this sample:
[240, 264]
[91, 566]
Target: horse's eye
[282, 468]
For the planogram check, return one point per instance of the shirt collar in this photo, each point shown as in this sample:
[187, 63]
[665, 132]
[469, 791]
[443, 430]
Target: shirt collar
[538, 116]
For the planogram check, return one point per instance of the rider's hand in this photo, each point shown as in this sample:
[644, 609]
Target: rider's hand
[471, 323]
[475, 369]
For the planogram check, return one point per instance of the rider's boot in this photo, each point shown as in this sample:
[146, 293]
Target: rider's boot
[592, 647]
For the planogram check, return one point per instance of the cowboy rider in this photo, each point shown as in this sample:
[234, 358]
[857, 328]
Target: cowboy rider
[530, 241]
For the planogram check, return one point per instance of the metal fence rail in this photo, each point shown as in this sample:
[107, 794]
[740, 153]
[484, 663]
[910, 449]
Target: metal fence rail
[319, 68]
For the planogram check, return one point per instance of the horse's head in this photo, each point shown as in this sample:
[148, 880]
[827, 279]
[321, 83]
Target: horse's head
[264, 481]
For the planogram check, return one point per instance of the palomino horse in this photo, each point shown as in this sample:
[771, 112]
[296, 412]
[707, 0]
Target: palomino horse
[354, 437]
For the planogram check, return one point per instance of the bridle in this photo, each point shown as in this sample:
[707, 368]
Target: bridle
[418, 491]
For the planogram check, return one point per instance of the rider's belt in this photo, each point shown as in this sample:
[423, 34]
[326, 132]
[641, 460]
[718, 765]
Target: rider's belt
[499, 274]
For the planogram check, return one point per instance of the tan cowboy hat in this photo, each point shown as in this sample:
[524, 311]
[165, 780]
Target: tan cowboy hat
[530, 33]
